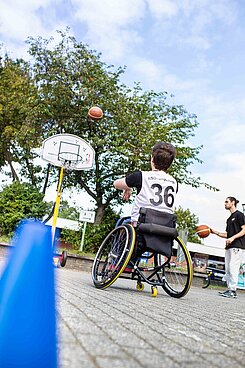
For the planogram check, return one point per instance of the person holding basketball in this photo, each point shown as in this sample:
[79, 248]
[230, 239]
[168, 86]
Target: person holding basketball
[234, 246]
[155, 188]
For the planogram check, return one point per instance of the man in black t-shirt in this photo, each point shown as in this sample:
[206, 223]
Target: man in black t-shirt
[234, 247]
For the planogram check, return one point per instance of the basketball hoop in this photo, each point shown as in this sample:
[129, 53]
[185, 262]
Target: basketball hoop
[69, 151]
[70, 160]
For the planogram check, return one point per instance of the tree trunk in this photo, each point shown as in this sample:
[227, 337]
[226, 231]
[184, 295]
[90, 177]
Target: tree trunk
[31, 174]
[13, 172]
[46, 179]
[99, 214]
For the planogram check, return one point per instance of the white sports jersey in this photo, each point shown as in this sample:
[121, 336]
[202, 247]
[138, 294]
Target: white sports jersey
[158, 192]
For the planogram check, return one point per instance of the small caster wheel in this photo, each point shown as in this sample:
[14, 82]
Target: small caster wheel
[140, 286]
[154, 291]
[56, 262]
[63, 258]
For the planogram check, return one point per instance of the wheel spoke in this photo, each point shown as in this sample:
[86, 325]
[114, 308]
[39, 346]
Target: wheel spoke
[113, 256]
[177, 273]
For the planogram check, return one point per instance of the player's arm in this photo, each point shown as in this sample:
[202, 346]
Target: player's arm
[221, 235]
[121, 185]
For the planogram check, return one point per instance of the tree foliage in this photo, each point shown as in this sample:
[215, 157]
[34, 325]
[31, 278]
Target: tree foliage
[189, 221]
[19, 201]
[18, 107]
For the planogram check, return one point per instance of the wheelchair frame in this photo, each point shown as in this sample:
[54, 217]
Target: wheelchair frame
[119, 252]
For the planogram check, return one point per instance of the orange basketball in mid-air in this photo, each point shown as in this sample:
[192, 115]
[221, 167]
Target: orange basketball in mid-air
[95, 113]
[203, 231]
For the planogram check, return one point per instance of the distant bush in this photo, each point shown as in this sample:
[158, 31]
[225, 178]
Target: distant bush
[17, 202]
[95, 234]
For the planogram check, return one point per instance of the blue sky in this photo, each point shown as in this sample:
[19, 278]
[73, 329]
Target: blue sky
[193, 49]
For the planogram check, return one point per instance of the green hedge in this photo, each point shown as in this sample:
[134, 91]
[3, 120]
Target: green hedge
[19, 201]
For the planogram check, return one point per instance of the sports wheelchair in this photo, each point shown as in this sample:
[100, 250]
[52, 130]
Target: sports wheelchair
[168, 261]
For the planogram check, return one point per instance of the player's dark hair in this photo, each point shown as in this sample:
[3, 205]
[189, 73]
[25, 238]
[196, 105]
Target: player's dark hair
[233, 199]
[163, 155]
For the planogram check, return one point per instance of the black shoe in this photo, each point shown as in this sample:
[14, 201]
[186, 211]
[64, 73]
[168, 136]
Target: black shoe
[221, 292]
[229, 294]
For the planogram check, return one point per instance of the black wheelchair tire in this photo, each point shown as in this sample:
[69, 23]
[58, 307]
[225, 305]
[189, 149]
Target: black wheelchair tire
[177, 283]
[206, 282]
[63, 258]
[120, 240]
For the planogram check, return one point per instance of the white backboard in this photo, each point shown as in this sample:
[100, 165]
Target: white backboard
[68, 150]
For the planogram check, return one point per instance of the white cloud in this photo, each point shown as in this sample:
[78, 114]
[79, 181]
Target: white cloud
[231, 136]
[109, 13]
[19, 20]
[162, 8]
[111, 25]
[148, 71]
[192, 24]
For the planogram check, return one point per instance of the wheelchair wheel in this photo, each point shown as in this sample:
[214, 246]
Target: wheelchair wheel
[207, 280]
[177, 271]
[113, 256]
[63, 258]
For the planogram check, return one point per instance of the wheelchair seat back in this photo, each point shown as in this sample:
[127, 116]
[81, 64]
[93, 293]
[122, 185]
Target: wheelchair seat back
[158, 230]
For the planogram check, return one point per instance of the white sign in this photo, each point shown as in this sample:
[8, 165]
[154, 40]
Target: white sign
[87, 216]
[65, 224]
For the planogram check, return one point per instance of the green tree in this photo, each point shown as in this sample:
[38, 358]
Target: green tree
[19, 201]
[68, 212]
[189, 221]
[18, 107]
[71, 79]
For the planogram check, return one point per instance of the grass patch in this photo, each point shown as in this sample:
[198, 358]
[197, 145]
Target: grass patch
[76, 252]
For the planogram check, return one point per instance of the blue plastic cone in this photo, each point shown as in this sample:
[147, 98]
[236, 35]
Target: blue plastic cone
[27, 301]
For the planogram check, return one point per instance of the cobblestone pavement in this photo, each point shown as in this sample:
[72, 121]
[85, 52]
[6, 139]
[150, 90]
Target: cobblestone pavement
[122, 327]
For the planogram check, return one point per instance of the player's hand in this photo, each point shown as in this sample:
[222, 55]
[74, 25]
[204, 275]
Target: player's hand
[126, 194]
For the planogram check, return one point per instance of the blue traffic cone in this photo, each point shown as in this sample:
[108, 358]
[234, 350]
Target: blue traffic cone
[27, 301]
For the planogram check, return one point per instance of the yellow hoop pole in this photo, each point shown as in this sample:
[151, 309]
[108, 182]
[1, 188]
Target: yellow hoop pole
[57, 203]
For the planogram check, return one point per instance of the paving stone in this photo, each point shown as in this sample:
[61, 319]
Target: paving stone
[122, 327]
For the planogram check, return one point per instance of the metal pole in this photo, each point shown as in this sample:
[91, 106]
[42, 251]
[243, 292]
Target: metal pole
[183, 233]
[57, 204]
[83, 236]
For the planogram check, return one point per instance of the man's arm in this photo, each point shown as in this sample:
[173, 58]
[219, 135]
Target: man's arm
[221, 235]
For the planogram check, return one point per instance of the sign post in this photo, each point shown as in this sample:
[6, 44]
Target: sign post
[85, 217]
